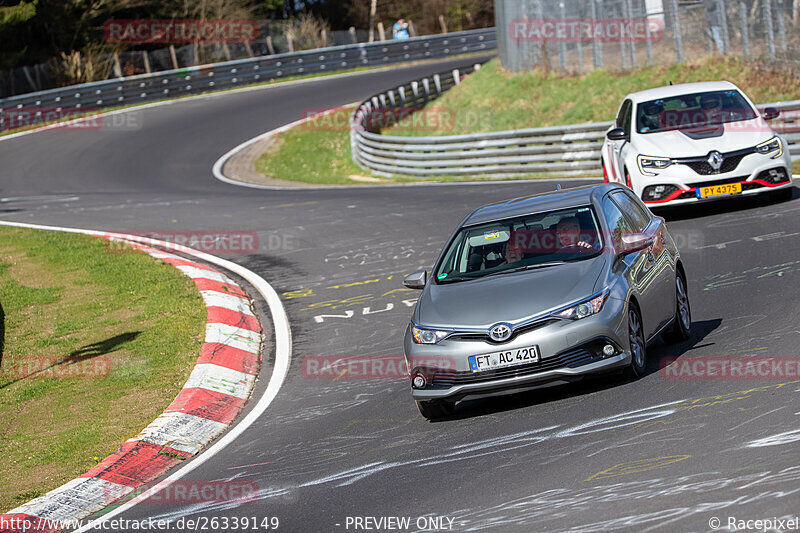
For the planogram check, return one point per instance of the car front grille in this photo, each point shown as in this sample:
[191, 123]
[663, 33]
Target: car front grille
[729, 164]
[571, 359]
[517, 331]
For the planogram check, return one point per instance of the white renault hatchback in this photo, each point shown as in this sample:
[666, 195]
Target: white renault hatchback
[696, 141]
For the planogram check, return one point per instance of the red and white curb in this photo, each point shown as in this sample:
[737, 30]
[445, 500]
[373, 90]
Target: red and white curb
[208, 403]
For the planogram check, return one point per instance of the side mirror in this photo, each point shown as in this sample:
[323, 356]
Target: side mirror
[633, 242]
[416, 280]
[617, 134]
[770, 113]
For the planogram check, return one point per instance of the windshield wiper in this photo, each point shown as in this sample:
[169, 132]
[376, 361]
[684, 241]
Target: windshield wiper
[526, 267]
[454, 279]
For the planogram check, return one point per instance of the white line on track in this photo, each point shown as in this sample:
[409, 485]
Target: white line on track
[283, 354]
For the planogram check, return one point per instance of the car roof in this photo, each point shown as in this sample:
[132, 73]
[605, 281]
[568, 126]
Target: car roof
[538, 203]
[683, 88]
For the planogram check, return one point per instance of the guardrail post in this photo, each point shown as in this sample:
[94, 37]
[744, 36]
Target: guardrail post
[456, 76]
[437, 80]
[415, 88]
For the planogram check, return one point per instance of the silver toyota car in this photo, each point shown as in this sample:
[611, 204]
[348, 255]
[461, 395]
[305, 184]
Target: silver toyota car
[542, 289]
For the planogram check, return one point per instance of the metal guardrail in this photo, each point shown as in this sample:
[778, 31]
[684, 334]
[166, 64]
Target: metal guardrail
[561, 150]
[232, 74]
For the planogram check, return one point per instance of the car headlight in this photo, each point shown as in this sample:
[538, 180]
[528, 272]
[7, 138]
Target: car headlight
[427, 336]
[647, 162]
[770, 146]
[584, 309]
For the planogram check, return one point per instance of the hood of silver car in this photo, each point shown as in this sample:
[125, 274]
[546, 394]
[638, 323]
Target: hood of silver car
[511, 297]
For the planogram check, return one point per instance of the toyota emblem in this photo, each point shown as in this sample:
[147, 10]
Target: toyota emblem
[500, 332]
[715, 160]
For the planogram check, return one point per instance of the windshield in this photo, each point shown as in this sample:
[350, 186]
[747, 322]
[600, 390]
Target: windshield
[692, 110]
[540, 240]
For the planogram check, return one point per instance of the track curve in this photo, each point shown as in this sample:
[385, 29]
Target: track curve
[654, 453]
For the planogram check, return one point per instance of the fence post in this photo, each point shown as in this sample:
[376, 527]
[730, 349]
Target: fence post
[290, 42]
[173, 56]
[412, 30]
[146, 62]
[647, 33]
[676, 28]
[270, 47]
[768, 29]
[562, 46]
[781, 26]
[442, 23]
[248, 48]
[744, 28]
[723, 10]
[353, 37]
[117, 67]
[623, 50]
[597, 47]
[381, 32]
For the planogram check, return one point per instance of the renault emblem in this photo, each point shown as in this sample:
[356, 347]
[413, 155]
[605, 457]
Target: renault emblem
[500, 332]
[715, 160]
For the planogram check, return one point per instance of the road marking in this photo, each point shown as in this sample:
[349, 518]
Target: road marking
[632, 467]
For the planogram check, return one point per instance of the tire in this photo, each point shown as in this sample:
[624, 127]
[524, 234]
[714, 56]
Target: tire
[681, 328]
[636, 342]
[434, 409]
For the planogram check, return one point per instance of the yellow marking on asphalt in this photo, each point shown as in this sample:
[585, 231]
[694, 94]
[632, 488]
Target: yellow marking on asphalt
[354, 284]
[301, 293]
[335, 304]
[642, 465]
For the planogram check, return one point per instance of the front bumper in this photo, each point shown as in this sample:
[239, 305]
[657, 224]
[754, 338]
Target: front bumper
[569, 350]
[755, 173]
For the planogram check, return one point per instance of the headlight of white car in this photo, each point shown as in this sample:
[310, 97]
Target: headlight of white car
[584, 309]
[771, 146]
[427, 336]
[648, 163]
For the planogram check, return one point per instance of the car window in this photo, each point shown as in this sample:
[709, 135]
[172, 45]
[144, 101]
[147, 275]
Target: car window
[692, 110]
[626, 118]
[623, 115]
[521, 242]
[618, 224]
[638, 216]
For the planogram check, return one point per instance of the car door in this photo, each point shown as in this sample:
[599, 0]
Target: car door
[659, 269]
[617, 147]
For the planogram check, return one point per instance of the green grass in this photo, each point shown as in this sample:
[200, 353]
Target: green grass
[493, 99]
[122, 330]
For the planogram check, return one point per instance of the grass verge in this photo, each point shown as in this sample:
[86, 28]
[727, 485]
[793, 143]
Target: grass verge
[94, 345]
[491, 99]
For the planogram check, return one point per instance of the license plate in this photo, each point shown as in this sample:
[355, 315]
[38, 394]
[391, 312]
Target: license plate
[515, 357]
[719, 190]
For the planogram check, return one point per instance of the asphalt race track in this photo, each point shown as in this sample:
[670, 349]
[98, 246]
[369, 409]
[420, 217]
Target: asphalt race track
[657, 453]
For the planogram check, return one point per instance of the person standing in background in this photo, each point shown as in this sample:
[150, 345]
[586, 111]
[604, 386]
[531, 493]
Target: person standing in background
[400, 30]
[714, 23]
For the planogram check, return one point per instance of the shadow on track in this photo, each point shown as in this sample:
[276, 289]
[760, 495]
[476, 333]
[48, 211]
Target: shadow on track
[588, 385]
[721, 207]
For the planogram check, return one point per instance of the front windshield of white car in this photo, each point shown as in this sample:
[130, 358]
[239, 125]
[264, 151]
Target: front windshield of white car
[694, 110]
[539, 240]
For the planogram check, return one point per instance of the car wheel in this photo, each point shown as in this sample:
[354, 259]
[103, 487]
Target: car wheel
[681, 328]
[636, 341]
[434, 409]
